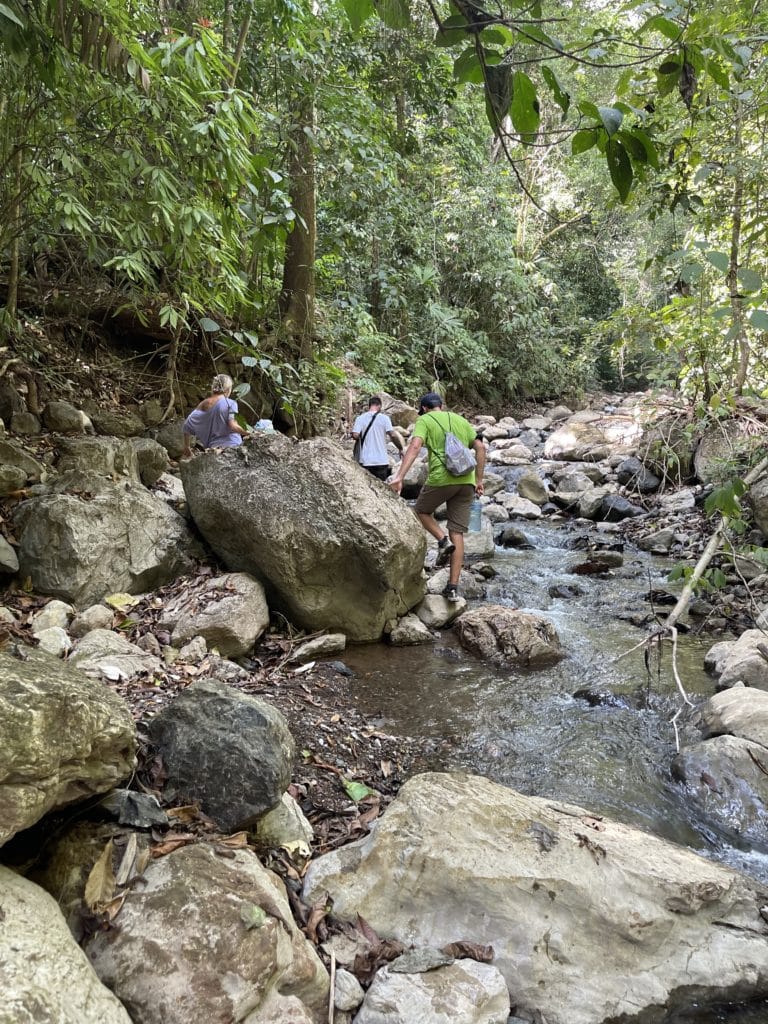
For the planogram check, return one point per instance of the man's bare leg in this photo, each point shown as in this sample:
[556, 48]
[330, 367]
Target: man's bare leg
[431, 525]
[457, 557]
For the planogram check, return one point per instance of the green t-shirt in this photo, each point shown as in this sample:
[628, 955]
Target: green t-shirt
[431, 428]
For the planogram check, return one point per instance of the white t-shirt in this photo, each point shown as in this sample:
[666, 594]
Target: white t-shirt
[374, 451]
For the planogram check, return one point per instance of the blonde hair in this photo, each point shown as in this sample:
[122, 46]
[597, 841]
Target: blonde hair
[221, 382]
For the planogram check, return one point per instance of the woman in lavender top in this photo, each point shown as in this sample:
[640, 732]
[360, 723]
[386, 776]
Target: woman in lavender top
[213, 421]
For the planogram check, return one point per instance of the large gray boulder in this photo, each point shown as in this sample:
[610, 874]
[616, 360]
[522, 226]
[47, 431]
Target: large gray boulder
[734, 661]
[576, 440]
[124, 539]
[152, 458]
[231, 752]
[64, 418]
[94, 464]
[118, 422]
[14, 457]
[591, 921]
[230, 612]
[335, 549]
[44, 975]
[211, 938]
[63, 738]
[726, 776]
[507, 636]
[103, 653]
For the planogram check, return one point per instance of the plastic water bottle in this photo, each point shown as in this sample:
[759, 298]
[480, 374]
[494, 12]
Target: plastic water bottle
[476, 516]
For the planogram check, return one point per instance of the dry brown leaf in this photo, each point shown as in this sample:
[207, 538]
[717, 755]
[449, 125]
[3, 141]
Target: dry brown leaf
[114, 906]
[469, 951]
[237, 841]
[316, 916]
[100, 887]
[371, 814]
[170, 844]
[386, 768]
[183, 815]
[127, 867]
[365, 929]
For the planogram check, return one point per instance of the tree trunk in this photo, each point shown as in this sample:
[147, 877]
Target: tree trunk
[740, 362]
[12, 298]
[297, 295]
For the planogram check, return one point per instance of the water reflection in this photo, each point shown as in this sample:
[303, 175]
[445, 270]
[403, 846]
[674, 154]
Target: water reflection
[526, 730]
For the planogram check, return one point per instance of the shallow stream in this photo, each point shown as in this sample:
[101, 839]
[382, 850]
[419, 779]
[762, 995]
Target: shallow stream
[525, 729]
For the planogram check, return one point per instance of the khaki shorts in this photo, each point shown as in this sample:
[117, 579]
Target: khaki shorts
[458, 500]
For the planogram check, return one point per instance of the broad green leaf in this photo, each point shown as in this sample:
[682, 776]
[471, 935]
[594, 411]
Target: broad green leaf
[583, 140]
[719, 260]
[619, 167]
[524, 109]
[249, 361]
[670, 67]
[358, 12]
[588, 109]
[357, 790]
[450, 37]
[759, 319]
[650, 149]
[611, 118]
[749, 280]
[208, 325]
[6, 12]
[498, 92]
[634, 146]
[394, 13]
[561, 96]
[496, 36]
[467, 67]
[664, 26]
[717, 73]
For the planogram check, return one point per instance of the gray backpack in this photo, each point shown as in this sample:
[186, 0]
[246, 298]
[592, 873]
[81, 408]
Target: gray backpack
[458, 458]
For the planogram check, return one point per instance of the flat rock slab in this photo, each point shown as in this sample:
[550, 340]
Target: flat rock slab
[739, 711]
[104, 654]
[733, 661]
[211, 938]
[44, 975]
[63, 738]
[464, 992]
[591, 921]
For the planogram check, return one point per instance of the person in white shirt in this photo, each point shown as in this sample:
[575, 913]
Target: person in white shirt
[372, 429]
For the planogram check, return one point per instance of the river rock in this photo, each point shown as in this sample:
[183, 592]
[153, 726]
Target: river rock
[492, 484]
[55, 613]
[124, 539]
[516, 455]
[532, 487]
[9, 563]
[495, 513]
[733, 661]
[590, 503]
[98, 616]
[347, 991]
[509, 637]
[14, 457]
[537, 423]
[530, 438]
[722, 444]
[658, 542]
[571, 488]
[632, 473]
[55, 641]
[614, 508]
[118, 422]
[740, 711]
[678, 501]
[401, 414]
[335, 550]
[409, 631]
[25, 423]
[511, 537]
[324, 646]
[101, 653]
[171, 436]
[210, 938]
[225, 749]
[518, 507]
[416, 477]
[725, 783]
[469, 585]
[63, 738]
[152, 458]
[560, 412]
[44, 975]
[659, 928]
[230, 612]
[496, 432]
[64, 418]
[12, 478]
[464, 992]
[437, 612]
[95, 464]
[285, 827]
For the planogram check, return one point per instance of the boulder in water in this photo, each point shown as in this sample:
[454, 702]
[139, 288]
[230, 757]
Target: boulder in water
[509, 637]
[734, 661]
[590, 920]
[334, 548]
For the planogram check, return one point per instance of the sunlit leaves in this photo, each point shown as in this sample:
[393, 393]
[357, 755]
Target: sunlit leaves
[524, 109]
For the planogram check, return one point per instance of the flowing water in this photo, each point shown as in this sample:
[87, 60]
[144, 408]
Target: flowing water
[525, 729]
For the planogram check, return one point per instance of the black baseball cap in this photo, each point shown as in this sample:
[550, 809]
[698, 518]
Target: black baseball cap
[430, 401]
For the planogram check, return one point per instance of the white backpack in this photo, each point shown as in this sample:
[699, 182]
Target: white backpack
[458, 458]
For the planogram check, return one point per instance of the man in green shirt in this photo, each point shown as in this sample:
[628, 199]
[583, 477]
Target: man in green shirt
[457, 492]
